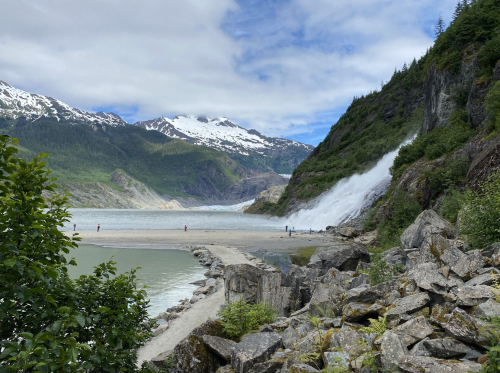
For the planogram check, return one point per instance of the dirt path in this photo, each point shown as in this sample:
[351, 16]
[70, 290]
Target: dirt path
[196, 315]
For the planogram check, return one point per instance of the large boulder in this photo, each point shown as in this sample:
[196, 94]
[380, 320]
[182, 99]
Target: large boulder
[463, 264]
[410, 304]
[371, 294]
[426, 223]
[391, 350]
[344, 258]
[428, 277]
[220, 346]
[474, 295]
[253, 349]
[414, 330]
[193, 355]
[490, 308]
[446, 348]
[348, 340]
[420, 364]
[465, 328]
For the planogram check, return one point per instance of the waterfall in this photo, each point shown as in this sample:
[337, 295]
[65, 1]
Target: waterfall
[348, 198]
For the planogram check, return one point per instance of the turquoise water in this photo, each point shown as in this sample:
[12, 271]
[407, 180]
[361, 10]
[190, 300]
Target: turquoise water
[167, 273]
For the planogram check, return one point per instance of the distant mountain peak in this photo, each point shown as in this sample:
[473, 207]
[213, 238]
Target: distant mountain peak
[17, 103]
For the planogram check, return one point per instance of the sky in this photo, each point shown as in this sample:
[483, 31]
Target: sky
[288, 68]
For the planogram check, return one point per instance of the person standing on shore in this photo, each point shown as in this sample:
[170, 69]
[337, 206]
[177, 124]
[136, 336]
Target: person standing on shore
[185, 228]
[290, 233]
[310, 230]
[74, 227]
[98, 227]
[286, 228]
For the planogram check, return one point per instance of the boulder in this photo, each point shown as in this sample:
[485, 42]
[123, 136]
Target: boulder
[301, 368]
[226, 369]
[193, 355]
[347, 339]
[484, 279]
[336, 359]
[371, 294]
[418, 364]
[446, 348]
[410, 304]
[359, 311]
[490, 308]
[290, 337]
[395, 256]
[160, 329]
[414, 330]
[474, 295]
[428, 277]
[464, 265]
[419, 349]
[348, 232]
[391, 350]
[253, 349]
[270, 366]
[465, 328]
[220, 346]
[426, 223]
[344, 258]
[159, 361]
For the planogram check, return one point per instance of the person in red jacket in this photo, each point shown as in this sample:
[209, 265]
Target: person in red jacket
[185, 228]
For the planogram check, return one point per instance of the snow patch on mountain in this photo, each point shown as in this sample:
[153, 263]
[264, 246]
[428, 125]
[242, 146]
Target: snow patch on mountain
[17, 103]
[218, 133]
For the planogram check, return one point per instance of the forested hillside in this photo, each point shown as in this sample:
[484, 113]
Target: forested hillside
[450, 96]
[84, 154]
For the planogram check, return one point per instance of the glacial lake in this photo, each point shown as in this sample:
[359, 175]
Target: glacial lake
[167, 273]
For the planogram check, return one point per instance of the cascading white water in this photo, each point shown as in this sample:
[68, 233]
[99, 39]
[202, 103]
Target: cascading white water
[347, 198]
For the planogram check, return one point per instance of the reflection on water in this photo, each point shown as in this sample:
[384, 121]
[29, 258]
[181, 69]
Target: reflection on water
[167, 273]
[280, 260]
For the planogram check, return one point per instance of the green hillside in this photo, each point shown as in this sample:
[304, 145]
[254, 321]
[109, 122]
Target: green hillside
[80, 153]
[460, 65]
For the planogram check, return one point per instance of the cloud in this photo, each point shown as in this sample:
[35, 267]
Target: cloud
[275, 65]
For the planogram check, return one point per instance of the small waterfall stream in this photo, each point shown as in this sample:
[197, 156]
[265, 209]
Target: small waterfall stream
[346, 199]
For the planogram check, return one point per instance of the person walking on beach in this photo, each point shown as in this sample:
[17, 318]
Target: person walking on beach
[74, 227]
[310, 230]
[286, 228]
[290, 233]
[185, 228]
[98, 227]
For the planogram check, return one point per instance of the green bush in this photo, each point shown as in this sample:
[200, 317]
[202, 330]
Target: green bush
[380, 271]
[452, 203]
[48, 322]
[239, 317]
[480, 214]
[452, 173]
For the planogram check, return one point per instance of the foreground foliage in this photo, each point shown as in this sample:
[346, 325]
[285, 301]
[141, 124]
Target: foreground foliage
[239, 317]
[48, 322]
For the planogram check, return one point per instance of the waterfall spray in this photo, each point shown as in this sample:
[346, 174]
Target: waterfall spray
[348, 198]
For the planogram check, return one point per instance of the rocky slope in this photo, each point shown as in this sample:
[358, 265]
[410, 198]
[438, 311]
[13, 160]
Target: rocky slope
[430, 317]
[267, 153]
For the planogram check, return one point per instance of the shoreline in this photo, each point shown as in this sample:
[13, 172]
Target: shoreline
[245, 240]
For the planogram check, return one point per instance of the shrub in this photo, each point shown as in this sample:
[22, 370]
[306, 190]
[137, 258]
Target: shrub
[239, 317]
[380, 271]
[452, 203]
[480, 213]
[492, 106]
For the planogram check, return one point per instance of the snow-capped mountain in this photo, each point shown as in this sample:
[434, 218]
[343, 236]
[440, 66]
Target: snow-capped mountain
[16, 103]
[220, 134]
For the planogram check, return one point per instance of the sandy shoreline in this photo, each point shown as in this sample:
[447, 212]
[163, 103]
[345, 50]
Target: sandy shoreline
[246, 240]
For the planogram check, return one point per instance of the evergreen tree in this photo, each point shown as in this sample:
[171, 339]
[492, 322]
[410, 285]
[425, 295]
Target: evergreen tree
[440, 26]
[458, 9]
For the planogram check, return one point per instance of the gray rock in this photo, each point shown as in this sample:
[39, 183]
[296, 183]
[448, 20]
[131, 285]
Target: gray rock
[474, 295]
[307, 343]
[347, 339]
[359, 311]
[370, 294]
[344, 258]
[414, 330]
[290, 337]
[428, 277]
[410, 304]
[392, 297]
[419, 349]
[446, 348]
[331, 323]
[490, 308]
[220, 346]
[416, 364]
[426, 223]
[301, 368]
[336, 359]
[348, 232]
[484, 279]
[391, 350]
[464, 265]
[253, 349]
[226, 369]
[160, 329]
[465, 328]
[159, 361]
[270, 366]
[395, 256]
[304, 328]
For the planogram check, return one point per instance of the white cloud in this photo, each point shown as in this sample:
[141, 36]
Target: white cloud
[166, 57]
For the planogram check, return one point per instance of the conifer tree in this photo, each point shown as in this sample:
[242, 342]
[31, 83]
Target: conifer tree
[440, 26]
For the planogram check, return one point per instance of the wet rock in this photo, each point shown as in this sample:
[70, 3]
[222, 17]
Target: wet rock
[414, 330]
[344, 258]
[391, 350]
[410, 304]
[465, 328]
[416, 364]
[220, 346]
[428, 277]
[253, 349]
[474, 295]
[301, 368]
[426, 223]
[490, 308]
